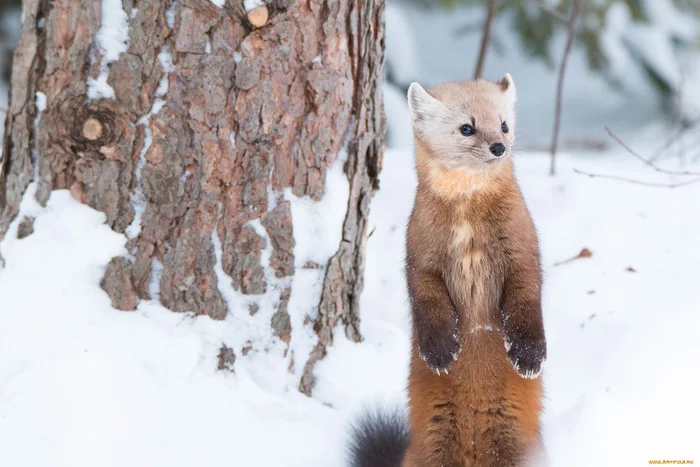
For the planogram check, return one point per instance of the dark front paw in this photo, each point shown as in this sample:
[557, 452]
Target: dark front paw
[526, 355]
[439, 349]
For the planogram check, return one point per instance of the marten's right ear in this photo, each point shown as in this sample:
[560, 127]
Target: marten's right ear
[424, 108]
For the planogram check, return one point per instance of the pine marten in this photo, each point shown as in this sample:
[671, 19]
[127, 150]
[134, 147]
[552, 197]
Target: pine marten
[474, 281]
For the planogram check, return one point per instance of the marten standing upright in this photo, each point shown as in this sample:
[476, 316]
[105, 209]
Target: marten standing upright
[474, 281]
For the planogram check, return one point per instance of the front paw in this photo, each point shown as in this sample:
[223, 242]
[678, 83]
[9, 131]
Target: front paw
[526, 355]
[439, 349]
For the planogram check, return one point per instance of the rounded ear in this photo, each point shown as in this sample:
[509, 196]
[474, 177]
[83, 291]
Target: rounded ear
[424, 108]
[508, 87]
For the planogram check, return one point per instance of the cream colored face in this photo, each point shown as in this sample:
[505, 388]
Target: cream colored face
[442, 114]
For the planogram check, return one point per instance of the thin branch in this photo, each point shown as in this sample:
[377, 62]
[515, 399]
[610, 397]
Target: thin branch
[571, 32]
[638, 182]
[585, 253]
[4, 110]
[648, 162]
[672, 139]
[555, 13]
[486, 37]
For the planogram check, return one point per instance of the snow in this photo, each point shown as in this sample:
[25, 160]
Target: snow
[80, 380]
[251, 4]
[166, 60]
[170, 15]
[40, 101]
[112, 40]
[620, 385]
[113, 36]
[86, 385]
[319, 224]
[82, 384]
[99, 88]
[137, 199]
[318, 230]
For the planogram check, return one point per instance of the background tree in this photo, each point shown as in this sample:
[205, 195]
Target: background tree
[7, 39]
[194, 125]
[535, 26]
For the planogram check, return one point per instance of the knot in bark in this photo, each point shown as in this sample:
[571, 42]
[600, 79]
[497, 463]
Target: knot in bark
[87, 128]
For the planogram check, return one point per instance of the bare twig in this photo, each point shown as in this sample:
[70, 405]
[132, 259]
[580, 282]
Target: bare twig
[555, 13]
[687, 126]
[679, 121]
[571, 32]
[584, 253]
[648, 163]
[485, 37]
[638, 182]
[4, 110]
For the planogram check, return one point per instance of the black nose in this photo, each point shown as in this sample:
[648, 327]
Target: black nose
[497, 149]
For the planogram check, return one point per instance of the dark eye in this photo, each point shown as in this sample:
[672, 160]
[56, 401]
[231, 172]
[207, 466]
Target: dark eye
[466, 130]
[504, 127]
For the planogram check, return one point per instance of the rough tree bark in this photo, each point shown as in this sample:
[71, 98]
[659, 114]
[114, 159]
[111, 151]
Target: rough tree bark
[209, 122]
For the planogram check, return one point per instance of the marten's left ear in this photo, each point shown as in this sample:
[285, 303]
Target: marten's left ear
[508, 87]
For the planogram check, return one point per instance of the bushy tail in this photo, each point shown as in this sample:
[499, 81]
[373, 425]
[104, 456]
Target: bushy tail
[379, 439]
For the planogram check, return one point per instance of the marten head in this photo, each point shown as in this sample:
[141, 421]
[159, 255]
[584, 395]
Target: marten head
[467, 124]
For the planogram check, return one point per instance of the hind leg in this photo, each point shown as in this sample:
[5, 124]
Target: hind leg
[503, 447]
[433, 415]
[434, 436]
[497, 441]
[508, 429]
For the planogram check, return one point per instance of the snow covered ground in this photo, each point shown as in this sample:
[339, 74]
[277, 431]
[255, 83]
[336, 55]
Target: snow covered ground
[623, 369]
[82, 384]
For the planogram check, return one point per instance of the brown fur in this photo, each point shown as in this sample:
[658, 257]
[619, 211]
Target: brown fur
[474, 280]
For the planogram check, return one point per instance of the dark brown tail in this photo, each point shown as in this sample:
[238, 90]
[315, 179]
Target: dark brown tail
[379, 439]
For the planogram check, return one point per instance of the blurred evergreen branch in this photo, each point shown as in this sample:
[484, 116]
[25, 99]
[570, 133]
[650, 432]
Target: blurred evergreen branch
[536, 22]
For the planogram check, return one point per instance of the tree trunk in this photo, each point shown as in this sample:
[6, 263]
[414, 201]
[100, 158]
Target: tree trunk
[198, 130]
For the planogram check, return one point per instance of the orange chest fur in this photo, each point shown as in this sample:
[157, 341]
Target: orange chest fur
[473, 274]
